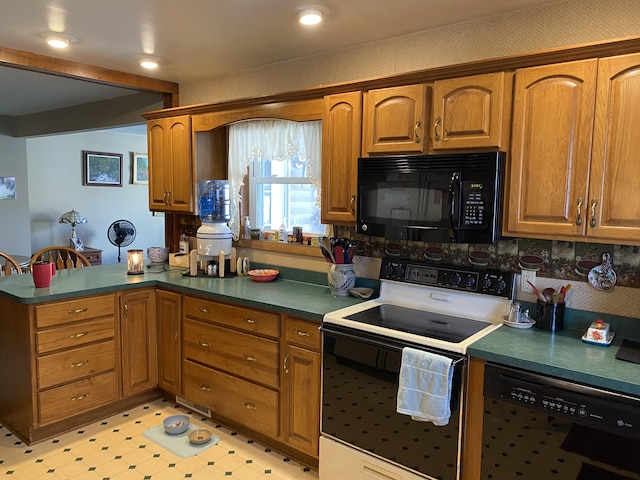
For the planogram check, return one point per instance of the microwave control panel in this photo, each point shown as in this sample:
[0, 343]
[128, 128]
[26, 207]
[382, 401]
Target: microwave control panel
[473, 205]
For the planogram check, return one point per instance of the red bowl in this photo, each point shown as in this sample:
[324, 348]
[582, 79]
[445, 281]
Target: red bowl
[265, 275]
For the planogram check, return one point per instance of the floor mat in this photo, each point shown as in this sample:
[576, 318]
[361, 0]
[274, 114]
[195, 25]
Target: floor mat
[178, 444]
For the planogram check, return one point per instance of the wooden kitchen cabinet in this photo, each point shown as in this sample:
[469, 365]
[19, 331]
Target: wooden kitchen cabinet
[301, 384]
[171, 176]
[394, 120]
[341, 140]
[573, 159]
[138, 341]
[471, 112]
[168, 314]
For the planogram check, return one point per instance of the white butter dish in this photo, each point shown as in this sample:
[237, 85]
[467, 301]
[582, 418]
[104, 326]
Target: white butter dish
[602, 343]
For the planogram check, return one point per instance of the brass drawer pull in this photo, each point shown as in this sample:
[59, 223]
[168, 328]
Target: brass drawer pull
[79, 364]
[204, 344]
[285, 363]
[204, 310]
[416, 131]
[77, 310]
[80, 397]
[249, 358]
[593, 223]
[204, 388]
[435, 129]
[78, 335]
[250, 321]
[302, 333]
[579, 214]
[250, 406]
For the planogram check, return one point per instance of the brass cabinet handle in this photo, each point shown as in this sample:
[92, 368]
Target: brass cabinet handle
[203, 344]
[79, 364]
[250, 406]
[249, 358]
[579, 218]
[165, 196]
[435, 129]
[78, 335]
[80, 397]
[204, 310]
[285, 362]
[416, 131]
[204, 388]
[126, 309]
[250, 321]
[77, 310]
[353, 203]
[592, 222]
[169, 197]
[302, 333]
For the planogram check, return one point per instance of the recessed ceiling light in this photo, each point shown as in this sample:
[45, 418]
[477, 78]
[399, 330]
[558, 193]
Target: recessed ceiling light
[149, 63]
[59, 39]
[311, 14]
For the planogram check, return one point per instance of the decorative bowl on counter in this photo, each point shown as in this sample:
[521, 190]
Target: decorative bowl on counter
[158, 254]
[176, 424]
[264, 275]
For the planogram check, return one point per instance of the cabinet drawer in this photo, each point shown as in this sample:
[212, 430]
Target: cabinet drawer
[74, 310]
[242, 354]
[70, 400]
[80, 362]
[73, 335]
[248, 319]
[302, 332]
[237, 400]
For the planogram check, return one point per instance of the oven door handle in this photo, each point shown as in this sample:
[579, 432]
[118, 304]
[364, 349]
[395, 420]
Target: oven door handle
[378, 341]
[454, 208]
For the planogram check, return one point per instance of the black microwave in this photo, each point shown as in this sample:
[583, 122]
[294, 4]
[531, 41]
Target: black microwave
[432, 198]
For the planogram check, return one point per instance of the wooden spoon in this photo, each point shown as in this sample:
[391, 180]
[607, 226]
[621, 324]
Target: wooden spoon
[327, 246]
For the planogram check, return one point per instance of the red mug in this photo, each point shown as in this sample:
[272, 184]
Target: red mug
[42, 273]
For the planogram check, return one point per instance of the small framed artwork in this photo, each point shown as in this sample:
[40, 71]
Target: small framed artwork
[101, 169]
[140, 166]
[7, 188]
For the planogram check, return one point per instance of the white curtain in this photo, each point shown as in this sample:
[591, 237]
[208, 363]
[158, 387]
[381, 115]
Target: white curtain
[275, 140]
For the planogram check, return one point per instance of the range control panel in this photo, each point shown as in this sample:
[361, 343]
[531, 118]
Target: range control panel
[476, 280]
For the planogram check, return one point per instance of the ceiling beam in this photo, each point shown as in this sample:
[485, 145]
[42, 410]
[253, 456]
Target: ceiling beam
[80, 71]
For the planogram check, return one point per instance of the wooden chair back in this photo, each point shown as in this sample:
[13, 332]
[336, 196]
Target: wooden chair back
[9, 266]
[64, 257]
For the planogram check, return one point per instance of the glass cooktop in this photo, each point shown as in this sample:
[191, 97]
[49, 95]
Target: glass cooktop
[419, 322]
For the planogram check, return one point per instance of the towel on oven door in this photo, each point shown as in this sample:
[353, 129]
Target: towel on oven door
[424, 387]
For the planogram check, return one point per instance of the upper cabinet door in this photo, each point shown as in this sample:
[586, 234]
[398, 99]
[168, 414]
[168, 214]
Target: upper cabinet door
[170, 164]
[471, 112]
[613, 209]
[341, 127]
[394, 120]
[551, 147]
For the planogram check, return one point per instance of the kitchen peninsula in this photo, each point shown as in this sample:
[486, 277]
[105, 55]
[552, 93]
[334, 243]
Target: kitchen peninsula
[99, 341]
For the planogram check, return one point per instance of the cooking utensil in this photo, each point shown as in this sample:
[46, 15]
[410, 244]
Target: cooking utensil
[361, 292]
[338, 252]
[326, 244]
[537, 292]
[548, 294]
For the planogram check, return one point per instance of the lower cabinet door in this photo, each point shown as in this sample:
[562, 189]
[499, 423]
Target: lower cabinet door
[233, 398]
[78, 397]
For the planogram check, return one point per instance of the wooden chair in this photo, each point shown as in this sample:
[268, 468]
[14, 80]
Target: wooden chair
[10, 267]
[64, 257]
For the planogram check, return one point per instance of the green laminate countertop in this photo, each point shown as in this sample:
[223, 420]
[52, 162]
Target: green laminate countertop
[307, 300]
[560, 354]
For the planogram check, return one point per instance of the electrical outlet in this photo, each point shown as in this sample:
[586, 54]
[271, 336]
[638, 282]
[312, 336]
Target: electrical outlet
[527, 275]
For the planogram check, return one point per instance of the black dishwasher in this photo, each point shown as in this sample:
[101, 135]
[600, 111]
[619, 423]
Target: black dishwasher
[539, 427]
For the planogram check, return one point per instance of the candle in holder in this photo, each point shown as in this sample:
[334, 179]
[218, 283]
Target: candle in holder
[135, 265]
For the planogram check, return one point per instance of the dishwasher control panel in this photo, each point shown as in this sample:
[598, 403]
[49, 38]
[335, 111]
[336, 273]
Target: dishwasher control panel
[577, 403]
[469, 279]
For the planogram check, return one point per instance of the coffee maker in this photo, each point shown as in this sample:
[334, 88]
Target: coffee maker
[214, 235]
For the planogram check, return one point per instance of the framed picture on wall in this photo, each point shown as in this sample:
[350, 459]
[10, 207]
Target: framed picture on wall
[140, 168]
[101, 169]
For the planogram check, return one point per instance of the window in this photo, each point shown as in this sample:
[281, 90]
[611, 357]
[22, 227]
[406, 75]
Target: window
[278, 162]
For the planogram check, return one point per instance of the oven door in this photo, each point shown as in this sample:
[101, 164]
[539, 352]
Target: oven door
[360, 383]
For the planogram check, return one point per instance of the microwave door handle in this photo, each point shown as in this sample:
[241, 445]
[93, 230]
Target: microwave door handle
[454, 193]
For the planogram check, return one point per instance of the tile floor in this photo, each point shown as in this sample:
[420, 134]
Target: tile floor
[115, 449]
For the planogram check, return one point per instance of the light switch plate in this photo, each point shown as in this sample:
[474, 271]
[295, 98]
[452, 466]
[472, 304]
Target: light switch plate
[525, 275]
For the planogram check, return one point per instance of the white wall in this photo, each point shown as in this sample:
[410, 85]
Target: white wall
[55, 187]
[14, 219]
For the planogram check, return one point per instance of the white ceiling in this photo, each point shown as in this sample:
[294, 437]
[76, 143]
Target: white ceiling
[199, 38]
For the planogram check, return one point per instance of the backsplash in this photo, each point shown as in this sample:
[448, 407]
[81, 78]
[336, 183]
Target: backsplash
[569, 261]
